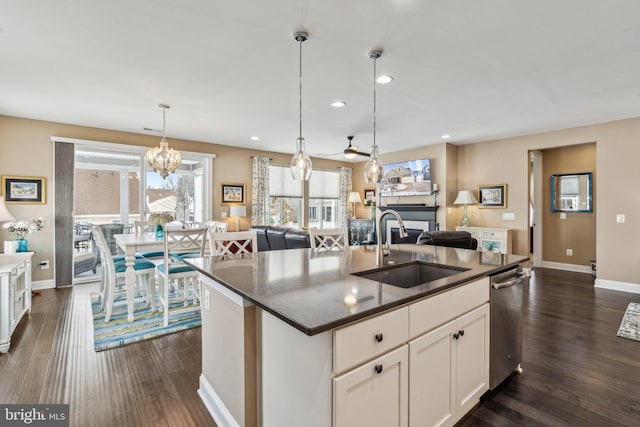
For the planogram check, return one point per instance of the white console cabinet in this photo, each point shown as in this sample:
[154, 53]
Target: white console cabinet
[15, 294]
[490, 239]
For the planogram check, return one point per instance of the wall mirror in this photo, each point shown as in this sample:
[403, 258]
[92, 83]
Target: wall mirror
[572, 192]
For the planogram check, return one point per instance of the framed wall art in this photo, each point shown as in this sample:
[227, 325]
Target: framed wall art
[232, 194]
[369, 194]
[24, 189]
[492, 196]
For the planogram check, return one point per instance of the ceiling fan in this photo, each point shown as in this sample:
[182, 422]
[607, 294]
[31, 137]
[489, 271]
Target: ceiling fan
[352, 150]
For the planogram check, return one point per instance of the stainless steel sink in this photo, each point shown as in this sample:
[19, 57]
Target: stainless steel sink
[411, 274]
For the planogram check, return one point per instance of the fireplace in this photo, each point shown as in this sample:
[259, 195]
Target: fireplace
[416, 218]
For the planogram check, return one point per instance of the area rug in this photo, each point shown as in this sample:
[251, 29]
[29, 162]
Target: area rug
[630, 326]
[118, 331]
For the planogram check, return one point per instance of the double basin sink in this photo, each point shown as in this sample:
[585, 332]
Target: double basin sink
[410, 274]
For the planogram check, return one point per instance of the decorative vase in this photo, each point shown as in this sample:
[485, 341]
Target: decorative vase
[159, 230]
[22, 245]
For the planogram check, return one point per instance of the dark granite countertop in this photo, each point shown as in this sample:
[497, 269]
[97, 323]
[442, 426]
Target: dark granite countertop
[316, 291]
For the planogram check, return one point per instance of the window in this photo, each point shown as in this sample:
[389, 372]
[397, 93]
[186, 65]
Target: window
[286, 196]
[285, 201]
[324, 193]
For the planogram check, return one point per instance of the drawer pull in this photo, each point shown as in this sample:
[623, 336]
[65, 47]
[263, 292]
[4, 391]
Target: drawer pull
[379, 337]
[378, 369]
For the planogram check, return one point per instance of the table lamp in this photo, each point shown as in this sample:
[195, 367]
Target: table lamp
[465, 197]
[237, 212]
[354, 197]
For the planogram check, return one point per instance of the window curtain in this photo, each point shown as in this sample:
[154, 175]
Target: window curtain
[345, 189]
[260, 191]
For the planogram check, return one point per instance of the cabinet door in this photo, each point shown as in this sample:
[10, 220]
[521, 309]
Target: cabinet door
[374, 394]
[472, 358]
[431, 389]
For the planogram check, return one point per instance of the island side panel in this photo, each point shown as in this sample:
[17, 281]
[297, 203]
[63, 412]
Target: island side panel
[228, 356]
[296, 375]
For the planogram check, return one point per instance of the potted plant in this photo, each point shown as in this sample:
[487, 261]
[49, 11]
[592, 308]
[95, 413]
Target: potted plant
[20, 229]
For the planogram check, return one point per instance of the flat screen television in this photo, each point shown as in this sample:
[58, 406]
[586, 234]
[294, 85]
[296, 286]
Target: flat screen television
[410, 178]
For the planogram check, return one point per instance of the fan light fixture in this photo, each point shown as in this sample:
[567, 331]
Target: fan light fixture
[374, 168]
[352, 150]
[164, 159]
[301, 166]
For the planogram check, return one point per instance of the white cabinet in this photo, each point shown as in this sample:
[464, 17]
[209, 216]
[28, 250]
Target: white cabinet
[449, 369]
[15, 293]
[374, 394]
[490, 239]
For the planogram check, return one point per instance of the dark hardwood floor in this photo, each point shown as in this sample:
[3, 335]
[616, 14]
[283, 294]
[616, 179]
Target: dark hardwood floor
[576, 371]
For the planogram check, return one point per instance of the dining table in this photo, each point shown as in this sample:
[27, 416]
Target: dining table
[131, 244]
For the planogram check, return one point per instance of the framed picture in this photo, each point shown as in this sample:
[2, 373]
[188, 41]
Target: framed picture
[492, 196]
[232, 194]
[24, 189]
[369, 194]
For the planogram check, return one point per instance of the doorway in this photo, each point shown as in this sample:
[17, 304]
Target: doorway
[536, 190]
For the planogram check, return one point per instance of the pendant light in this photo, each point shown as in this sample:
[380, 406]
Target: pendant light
[163, 159]
[300, 162]
[374, 169]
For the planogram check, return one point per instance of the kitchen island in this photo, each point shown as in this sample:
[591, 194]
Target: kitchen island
[293, 337]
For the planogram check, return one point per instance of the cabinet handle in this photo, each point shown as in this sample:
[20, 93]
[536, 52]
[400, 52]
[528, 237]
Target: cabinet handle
[461, 332]
[378, 369]
[379, 337]
[456, 335]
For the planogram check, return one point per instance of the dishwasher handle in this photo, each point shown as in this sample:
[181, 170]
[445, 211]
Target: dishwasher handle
[508, 283]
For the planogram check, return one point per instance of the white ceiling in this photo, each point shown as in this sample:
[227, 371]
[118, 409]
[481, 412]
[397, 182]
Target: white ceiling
[477, 70]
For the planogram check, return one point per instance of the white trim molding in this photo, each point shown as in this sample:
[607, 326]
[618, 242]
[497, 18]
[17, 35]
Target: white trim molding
[43, 284]
[613, 285]
[567, 267]
[216, 408]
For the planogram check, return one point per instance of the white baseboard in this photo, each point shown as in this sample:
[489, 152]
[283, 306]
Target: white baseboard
[634, 288]
[214, 404]
[567, 267]
[43, 284]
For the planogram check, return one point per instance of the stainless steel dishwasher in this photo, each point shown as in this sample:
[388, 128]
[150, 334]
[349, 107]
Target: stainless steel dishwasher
[506, 324]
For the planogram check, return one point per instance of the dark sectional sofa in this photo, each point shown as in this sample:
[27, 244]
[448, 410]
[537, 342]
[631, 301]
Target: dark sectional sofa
[454, 239]
[276, 238]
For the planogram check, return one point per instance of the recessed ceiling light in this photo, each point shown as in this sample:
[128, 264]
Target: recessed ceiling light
[446, 136]
[255, 138]
[338, 104]
[384, 79]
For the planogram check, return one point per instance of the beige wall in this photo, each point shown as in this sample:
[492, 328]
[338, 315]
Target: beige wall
[26, 150]
[578, 230]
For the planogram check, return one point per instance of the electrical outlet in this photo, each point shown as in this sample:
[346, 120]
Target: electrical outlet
[206, 299]
[563, 215]
[569, 252]
[44, 265]
[620, 218]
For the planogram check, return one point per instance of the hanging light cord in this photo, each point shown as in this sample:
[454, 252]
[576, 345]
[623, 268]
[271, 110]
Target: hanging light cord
[164, 122]
[300, 40]
[375, 59]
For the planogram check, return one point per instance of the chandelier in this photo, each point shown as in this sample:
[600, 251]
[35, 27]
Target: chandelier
[164, 159]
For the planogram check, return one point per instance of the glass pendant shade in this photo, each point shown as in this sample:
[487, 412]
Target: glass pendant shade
[301, 166]
[163, 159]
[374, 169]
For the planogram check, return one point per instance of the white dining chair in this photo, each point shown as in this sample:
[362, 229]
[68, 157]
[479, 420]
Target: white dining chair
[114, 276]
[173, 270]
[233, 242]
[332, 239]
[217, 226]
